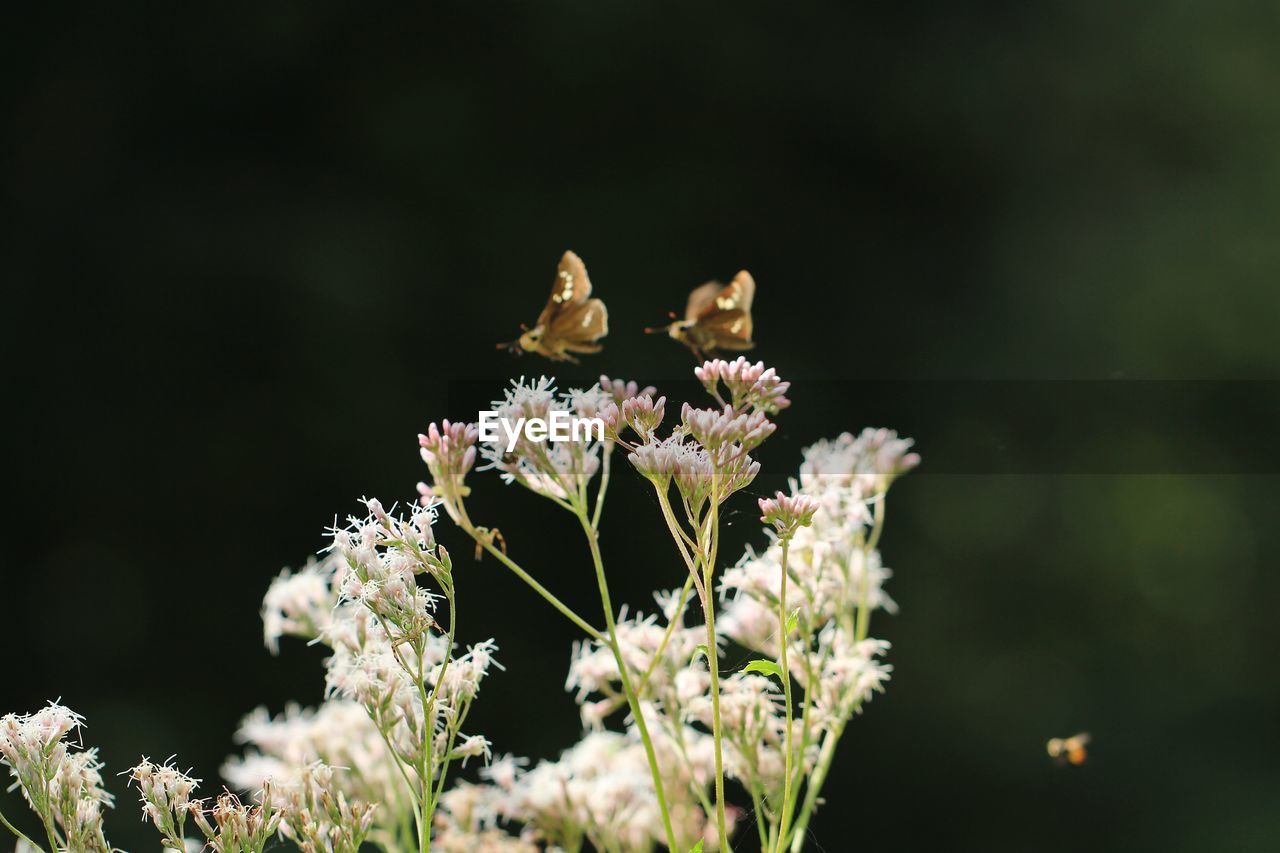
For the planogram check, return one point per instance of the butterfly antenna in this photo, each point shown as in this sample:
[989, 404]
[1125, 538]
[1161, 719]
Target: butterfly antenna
[657, 330]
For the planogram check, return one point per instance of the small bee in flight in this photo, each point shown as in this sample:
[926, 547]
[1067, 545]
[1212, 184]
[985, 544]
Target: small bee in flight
[571, 322]
[717, 317]
[1070, 749]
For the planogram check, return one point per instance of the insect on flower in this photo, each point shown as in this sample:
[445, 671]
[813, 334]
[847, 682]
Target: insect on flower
[571, 322]
[1070, 749]
[717, 317]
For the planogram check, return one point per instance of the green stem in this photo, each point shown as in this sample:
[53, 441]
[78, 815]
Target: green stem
[453, 738]
[809, 687]
[713, 655]
[424, 781]
[18, 832]
[682, 540]
[863, 623]
[676, 618]
[864, 589]
[751, 743]
[759, 810]
[815, 785]
[528, 579]
[604, 486]
[677, 735]
[786, 689]
[877, 525]
[428, 730]
[636, 712]
[391, 750]
[50, 831]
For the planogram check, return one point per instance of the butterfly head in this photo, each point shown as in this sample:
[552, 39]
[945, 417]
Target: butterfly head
[531, 340]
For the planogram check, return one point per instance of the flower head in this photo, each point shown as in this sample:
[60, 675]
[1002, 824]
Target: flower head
[715, 428]
[450, 453]
[556, 469]
[870, 461]
[62, 785]
[620, 390]
[749, 385]
[643, 414]
[384, 554]
[788, 513]
[238, 827]
[318, 815]
[165, 792]
[300, 604]
[660, 461]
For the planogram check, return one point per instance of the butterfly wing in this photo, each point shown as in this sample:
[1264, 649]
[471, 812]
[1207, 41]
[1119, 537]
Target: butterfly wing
[724, 316]
[701, 297]
[571, 288]
[579, 327]
[572, 320]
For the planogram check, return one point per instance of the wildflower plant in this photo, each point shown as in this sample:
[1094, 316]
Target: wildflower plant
[666, 727]
[772, 727]
[61, 783]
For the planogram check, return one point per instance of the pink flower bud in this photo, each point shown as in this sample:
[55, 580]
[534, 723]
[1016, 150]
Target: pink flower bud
[788, 513]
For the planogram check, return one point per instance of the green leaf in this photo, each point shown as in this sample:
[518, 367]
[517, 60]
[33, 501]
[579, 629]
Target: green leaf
[792, 621]
[764, 667]
[697, 848]
[700, 650]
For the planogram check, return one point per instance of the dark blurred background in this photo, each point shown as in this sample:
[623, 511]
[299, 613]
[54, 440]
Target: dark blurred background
[252, 252]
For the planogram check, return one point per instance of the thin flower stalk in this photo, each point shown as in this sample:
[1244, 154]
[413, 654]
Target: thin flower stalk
[784, 641]
[674, 620]
[794, 840]
[787, 514]
[637, 712]
[562, 474]
[713, 657]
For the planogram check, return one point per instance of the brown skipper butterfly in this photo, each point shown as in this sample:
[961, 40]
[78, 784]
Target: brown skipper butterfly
[717, 317]
[571, 322]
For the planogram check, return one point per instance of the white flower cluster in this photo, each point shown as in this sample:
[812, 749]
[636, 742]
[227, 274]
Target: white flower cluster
[659, 652]
[398, 693]
[866, 463]
[555, 469]
[599, 790]
[301, 604]
[663, 672]
[62, 785]
[664, 722]
[237, 827]
[166, 800]
[318, 817]
[338, 733]
[385, 554]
